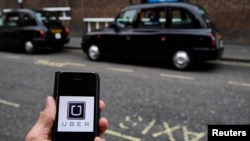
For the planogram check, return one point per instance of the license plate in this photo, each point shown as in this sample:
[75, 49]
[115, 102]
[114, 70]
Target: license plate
[221, 45]
[58, 36]
[56, 30]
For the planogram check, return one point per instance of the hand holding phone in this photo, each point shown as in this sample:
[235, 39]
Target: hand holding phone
[77, 101]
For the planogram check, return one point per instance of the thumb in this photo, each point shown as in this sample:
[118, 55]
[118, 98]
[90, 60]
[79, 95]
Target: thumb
[47, 117]
[43, 127]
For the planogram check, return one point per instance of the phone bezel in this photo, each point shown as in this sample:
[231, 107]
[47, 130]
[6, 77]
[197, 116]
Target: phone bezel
[93, 81]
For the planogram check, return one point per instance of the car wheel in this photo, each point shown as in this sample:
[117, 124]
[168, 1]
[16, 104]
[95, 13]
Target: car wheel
[182, 59]
[29, 47]
[94, 53]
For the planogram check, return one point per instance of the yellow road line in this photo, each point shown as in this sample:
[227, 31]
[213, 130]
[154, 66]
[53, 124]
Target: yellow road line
[177, 76]
[244, 50]
[74, 64]
[126, 137]
[151, 124]
[57, 64]
[12, 57]
[9, 103]
[233, 63]
[121, 69]
[239, 84]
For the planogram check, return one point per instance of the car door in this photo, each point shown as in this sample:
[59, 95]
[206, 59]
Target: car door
[11, 31]
[117, 38]
[184, 28]
[1, 30]
[149, 37]
[4, 31]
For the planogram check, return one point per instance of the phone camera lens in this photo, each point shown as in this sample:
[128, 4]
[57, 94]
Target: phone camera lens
[77, 77]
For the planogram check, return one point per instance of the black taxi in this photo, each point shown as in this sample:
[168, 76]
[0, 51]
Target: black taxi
[179, 32]
[32, 29]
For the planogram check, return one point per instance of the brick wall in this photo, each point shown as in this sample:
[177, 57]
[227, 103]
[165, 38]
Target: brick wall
[230, 16]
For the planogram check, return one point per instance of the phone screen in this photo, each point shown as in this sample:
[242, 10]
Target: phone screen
[77, 98]
[76, 114]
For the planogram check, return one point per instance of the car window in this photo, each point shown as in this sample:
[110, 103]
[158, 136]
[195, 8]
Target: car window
[46, 16]
[11, 19]
[1, 21]
[152, 17]
[181, 18]
[205, 17]
[27, 20]
[126, 18]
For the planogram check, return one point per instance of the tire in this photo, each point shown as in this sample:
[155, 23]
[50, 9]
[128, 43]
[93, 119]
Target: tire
[94, 52]
[182, 59]
[29, 47]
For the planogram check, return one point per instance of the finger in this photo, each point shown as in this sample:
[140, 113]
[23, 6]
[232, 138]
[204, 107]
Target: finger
[42, 129]
[47, 117]
[99, 139]
[103, 125]
[102, 105]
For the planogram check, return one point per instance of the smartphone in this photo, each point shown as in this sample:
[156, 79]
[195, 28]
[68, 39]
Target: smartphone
[77, 101]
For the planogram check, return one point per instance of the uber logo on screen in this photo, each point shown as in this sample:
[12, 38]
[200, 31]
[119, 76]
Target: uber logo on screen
[76, 110]
[76, 114]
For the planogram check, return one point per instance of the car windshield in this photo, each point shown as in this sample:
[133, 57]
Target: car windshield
[205, 17]
[47, 17]
[1, 21]
[126, 18]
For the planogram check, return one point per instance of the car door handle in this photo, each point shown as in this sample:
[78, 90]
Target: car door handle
[163, 38]
[128, 37]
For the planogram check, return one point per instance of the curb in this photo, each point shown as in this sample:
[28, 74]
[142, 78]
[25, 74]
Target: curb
[235, 60]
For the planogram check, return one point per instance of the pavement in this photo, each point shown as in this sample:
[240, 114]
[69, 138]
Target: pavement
[231, 52]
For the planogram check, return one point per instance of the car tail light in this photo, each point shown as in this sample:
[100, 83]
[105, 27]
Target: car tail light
[67, 31]
[219, 36]
[42, 33]
[213, 43]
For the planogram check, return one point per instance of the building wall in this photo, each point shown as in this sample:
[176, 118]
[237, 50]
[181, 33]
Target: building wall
[230, 16]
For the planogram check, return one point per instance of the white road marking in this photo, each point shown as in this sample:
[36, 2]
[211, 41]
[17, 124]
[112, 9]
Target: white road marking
[177, 76]
[239, 84]
[9, 103]
[121, 70]
[126, 137]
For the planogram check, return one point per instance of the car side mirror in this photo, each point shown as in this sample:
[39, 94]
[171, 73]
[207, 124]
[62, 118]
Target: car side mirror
[213, 25]
[115, 27]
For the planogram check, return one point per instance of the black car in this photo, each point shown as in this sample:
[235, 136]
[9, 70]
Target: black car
[32, 30]
[179, 32]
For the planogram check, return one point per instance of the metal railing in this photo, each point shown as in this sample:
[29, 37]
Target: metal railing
[63, 12]
[97, 22]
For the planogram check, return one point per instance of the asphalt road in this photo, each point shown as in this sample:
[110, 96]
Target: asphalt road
[144, 101]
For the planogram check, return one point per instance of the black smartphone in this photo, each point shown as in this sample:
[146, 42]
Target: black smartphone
[77, 101]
